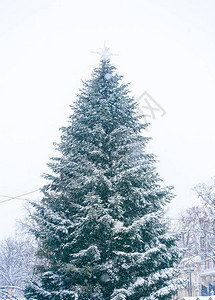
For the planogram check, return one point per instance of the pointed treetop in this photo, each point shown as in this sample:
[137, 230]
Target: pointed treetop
[104, 53]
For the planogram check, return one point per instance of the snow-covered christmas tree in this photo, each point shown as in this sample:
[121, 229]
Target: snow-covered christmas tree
[100, 223]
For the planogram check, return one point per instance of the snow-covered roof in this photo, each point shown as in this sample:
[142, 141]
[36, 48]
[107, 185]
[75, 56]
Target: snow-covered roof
[191, 260]
[208, 272]
[199, 298]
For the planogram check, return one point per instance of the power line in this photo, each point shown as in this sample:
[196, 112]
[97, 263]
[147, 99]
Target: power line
[16, 197]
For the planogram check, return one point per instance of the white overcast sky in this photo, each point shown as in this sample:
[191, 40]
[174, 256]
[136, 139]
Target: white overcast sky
[164, 47]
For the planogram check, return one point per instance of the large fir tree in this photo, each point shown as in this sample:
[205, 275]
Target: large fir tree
[99, 224]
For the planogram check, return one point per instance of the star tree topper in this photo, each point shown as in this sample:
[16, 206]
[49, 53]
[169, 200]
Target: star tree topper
[104, 53]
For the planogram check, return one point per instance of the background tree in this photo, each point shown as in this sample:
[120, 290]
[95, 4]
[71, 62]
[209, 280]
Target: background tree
[198, 225]
[206, 193]
[17, 261]
[99, 223]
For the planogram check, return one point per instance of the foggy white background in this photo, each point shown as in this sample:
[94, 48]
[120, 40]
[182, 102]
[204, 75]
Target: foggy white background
[164, 47]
